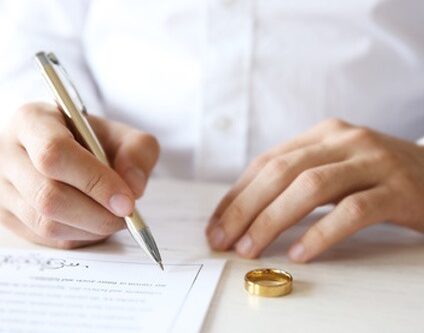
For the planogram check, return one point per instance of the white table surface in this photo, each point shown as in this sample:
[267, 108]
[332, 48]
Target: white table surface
[373, 282]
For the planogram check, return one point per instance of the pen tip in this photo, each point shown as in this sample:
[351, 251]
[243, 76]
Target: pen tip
[161, 266]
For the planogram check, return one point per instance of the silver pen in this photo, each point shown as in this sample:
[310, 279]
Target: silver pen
[75, 113]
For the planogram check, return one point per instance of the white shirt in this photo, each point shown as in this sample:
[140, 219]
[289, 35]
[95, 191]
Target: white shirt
[220, 81]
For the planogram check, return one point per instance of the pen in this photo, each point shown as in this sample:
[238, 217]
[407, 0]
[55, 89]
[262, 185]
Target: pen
[75, 113]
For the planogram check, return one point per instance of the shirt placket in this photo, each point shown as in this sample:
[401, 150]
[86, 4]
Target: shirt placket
[224, 121]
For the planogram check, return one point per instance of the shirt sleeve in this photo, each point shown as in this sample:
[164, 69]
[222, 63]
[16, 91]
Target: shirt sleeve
[27, 27]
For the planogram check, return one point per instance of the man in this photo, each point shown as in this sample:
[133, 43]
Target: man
[229, 88]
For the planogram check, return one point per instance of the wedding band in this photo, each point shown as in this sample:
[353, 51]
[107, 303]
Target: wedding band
[268, 282]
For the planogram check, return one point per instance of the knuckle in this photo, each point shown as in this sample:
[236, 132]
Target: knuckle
[387, 158]
[356, 207]
[277, 166]
[259, 163]
[32, 109]
[109, 227]
[93, 183]
[47, 229]
[224, 204]
[49, 157]
[38, 220]
[405, 180]
[47, 198]
[363, 134]
[312, 181]
[335, 123]
[236, 212]
[21, 112]
[318, 235]
[265, 222]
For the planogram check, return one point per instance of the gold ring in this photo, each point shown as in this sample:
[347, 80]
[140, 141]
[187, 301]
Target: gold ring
[268, 282]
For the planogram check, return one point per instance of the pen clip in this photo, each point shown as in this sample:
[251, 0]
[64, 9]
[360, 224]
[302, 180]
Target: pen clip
[60, 83]
[62, 71]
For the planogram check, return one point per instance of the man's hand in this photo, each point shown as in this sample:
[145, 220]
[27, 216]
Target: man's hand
[54, 192]
[370, 177]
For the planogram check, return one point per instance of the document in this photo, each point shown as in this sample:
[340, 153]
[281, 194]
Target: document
[65, 291]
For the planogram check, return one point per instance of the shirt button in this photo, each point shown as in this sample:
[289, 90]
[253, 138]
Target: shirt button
[223, 123]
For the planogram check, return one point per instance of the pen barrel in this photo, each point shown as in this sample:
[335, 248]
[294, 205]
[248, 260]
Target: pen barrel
[84, 134]
[135, 220]
[142, 235]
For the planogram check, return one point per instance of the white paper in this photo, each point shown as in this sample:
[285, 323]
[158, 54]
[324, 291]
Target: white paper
[64, 291]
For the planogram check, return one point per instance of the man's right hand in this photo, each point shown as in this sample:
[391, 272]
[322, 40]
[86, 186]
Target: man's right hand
[55, 192]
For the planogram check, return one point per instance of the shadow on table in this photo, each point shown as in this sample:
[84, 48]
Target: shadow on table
[302, 287]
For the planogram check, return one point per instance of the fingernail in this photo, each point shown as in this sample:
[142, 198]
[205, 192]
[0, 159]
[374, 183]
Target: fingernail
[136, 179]
[217, 237]
[297, 252]
[121, 205]
[244, 246]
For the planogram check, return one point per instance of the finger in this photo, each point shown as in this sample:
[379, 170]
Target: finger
[310, 137]
[311, 189]
[134, 153]
[352, 214]
[135, 158]
[57, 201]
[12, 223]
[13, 202]
[269, 183]
[58, 156]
